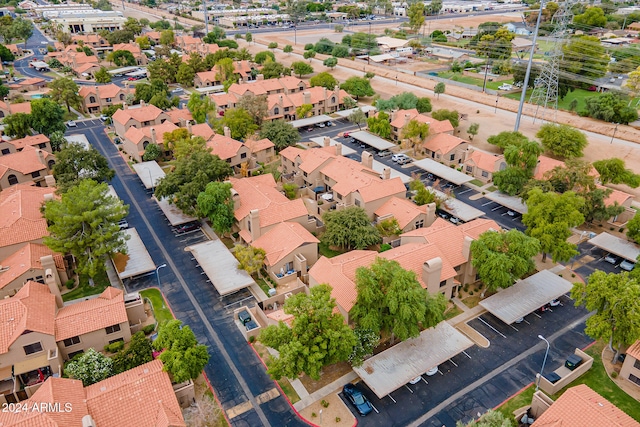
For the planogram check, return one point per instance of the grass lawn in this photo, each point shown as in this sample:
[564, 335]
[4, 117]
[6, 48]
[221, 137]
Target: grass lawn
[285, 385]
[477, 182]
[324, 249]
[101, 281]
[263, 285]
[160, 310]
[523, 399]
[471, 301]
[492, 188]
[452, 312]
[272, 168]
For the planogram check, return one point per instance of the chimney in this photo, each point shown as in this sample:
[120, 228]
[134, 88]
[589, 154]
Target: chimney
[142, 103]
[235, 197]
[431, 271]
[254, 224]
[124, 106]
[182, 122]
[338, 149]
[189, 126]
[306, 97]
[98, 94]
[431, 214]
[88, 421]
[48, 197]
[324, 94]
[51, 278]
[153, 136]
[407, 119]
[326, 142]
[281, 101]
[50, 181]
[367, 160]
[466, 248]
[41, 157]
[386, 173]
[227, 132]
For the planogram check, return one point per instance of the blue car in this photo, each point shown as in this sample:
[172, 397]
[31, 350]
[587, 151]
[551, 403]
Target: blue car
[357, 399]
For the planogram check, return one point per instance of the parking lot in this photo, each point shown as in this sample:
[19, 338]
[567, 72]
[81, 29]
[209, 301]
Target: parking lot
[590, 259]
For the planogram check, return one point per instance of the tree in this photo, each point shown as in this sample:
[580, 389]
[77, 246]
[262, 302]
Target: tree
[185, 75]
[380, 125]
[47, 116]
[611, 107]
[22, 29]
[215, 35]
[340, 51]
[303, 111]
[562, 140]
[204, 412]
[497, 45]
[391, 302]
[416, 16]
[330, 62]
[184, 147]
[415, 133]
[216, 203]
[274, 70]
[17, 125]
[521, 162]
[146, 91]
[273, 45]
[122, 58]
[490, 418]
[250, 259]
[349, 228]
[138, 352]
[65, 91]
[357, 117]
[261, 57]
[452, 115]
[614, 171]
[57, 140]
[301, 68]
[325, 80]
[84, 223]
[75, 163]
[152, 152]
[502, 257]
[506, 138]
[5, 54]
[281, 133]
[318, 336]
[423, 195]
[133, 25]
[309, 54]
[584, 57]
[239, 122]
[182, 356]
[439, 88]
[201, 108]
[633, 228]
[248, 37]
[389, 227]
[423, 105]
[167, 38]
[190, 177]
[256, 105]
[549, 219]
[225, 69]
[90, 368]
[358, 86]
[592, 17]
[196, 62]
[367, 341]
[615, 298]
[473, 130]
[102, 76]
[143, 42]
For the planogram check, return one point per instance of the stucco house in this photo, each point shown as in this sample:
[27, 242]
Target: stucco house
[482, 165]
[25, 166]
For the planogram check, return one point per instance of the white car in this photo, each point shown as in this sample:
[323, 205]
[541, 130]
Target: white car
[71, 124]
[627, 265]
[416, 380]
[505, 86]
[431, 372]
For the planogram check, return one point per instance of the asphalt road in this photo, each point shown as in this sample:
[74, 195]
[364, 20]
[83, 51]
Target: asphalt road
[234, 370]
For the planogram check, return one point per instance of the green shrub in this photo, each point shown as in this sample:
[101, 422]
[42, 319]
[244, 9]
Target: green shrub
[470, 293]
[252, 339]
[614, 374]
[70, 283]
[338, 419]
[114, 347]
[385, 247]
[148, 330]
[324, 403]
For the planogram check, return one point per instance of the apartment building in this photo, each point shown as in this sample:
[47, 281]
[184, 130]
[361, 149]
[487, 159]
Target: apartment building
[399, 119]
[30, 165]
[95, 98]
[482, 165]
[40, 141]
[243, 69]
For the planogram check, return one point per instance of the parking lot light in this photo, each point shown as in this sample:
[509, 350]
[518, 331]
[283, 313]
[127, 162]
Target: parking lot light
[543, 361]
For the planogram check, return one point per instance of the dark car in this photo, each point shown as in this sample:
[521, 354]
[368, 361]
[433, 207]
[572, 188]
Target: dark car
[357, 399]
[184, 228]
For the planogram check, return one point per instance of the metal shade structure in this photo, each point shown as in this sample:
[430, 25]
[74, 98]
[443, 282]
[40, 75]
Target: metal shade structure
[617, 246]
[372, 140]
[136, 261]
[443, 171]
[174, 215]
[149, 173]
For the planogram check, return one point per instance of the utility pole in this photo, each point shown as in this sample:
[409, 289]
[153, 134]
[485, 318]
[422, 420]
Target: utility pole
[206, 21]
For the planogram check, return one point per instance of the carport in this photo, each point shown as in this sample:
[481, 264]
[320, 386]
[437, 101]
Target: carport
[395, 367]
[510, 202]
[136, 261]
[149, 173]
[372, 140]
[139, 73]
[616, 246]
[221, 267]
[366, 109]
[174, 215]
[457, 208]
[526, 296]
[310, 121]
[122, 70]
[443, 171]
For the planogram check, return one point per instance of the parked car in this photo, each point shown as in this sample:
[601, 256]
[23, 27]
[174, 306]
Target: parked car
[611, 259]
[431, 372]
[384, 153]
[345, 135]
[185, 228]
[397, 157]
[430, 177]
[454, 220]
[123, 224]
[104, 117]
[554, 302]
[310, 128]
[357, 399]
[505, 86]
[405, 160]
[627, 265]
[71, 124]
[330, 124]
[320, 125]
[416, 380]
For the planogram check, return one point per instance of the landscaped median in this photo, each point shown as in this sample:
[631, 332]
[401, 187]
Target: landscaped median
[160, 309]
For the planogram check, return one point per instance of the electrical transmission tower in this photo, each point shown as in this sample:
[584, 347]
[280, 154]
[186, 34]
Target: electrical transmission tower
[545, 92]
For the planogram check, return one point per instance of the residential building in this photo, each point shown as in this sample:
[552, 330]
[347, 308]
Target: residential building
[408, 215]
[154, 36]
[140, 57]
[545, 164]
[631, 365]
[399, 119]
[519, 28]
[262, 150]
[439, 255]
[7, 109]
[445, 148]
[92, 40]
[290, 250]
[135, 140]
[228, 149]
[482, 165]
[22, 221]
[243, 69]
[138, 116]
[260, 206]
[141, 397]
[95, 98]
[28, 85]
[282, 85]
[70, 57]
[25, 166]
[189, 44]
[39, 141]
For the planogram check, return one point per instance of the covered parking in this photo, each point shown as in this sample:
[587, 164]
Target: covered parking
[149, 173]
[443, 171]
[136, 261]
[366, 109]
[174, 215]
[221, 267]
[510, 202]
[616, 246]
[395, 367]
[310, 121]
[526, 296]
[457, 208]
[372, 140]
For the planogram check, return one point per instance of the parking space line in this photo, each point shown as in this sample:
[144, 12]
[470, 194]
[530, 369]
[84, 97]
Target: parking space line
[376, 409]
[424, 380]
[491, 327]
[408, 388]
[454, 363]
[488, 203]
[466, 354]
[390, 397]
[526, 321]
[514, 328]
[495, 209]
[465, 191]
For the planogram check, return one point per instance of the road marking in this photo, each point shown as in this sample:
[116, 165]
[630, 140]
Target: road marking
[239, 409]
[465, 191]
[487, 204]
[492, 328]
[495, 209]
[267, 396]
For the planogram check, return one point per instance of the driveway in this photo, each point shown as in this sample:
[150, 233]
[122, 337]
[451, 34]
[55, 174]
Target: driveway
[235, 372]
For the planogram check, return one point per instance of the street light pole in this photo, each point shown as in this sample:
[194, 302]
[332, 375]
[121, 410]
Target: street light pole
[369, 44]
[158, 274]
[496, 110]
[543, 361]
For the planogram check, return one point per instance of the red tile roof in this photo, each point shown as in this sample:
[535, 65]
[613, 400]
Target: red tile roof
[21, 107]
[484, 160]
[435, 126]
[21, 220]
[260, 145]
[26, 161]
[179, 113]
[634, 350]
[403, 210]
[24, 259]
[223, 146]
[282, 240]
[616, 196]
[91, 315]
[19, 144]
[136, 135]
[141, 114]
[106, 91]
[580, 406]
[203, 130]
[443, 143]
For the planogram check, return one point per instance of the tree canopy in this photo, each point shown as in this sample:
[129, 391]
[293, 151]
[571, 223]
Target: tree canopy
[216, 203]
[239, 121]
[349, 228]
[392, 302]
[47, 116]
[452, 115]
[317, 337]
[301, 68]
[415, 133]
[75, 163]
[90, 367]
[506, 138]
[256, 105]
[502, 257]
[562, 140]
[325, 80]
[201, 108]
[281, 133]
[614, 171]
[183, 358]
[357, 86]
[84, 223]
[380, 125]
[138, 352]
